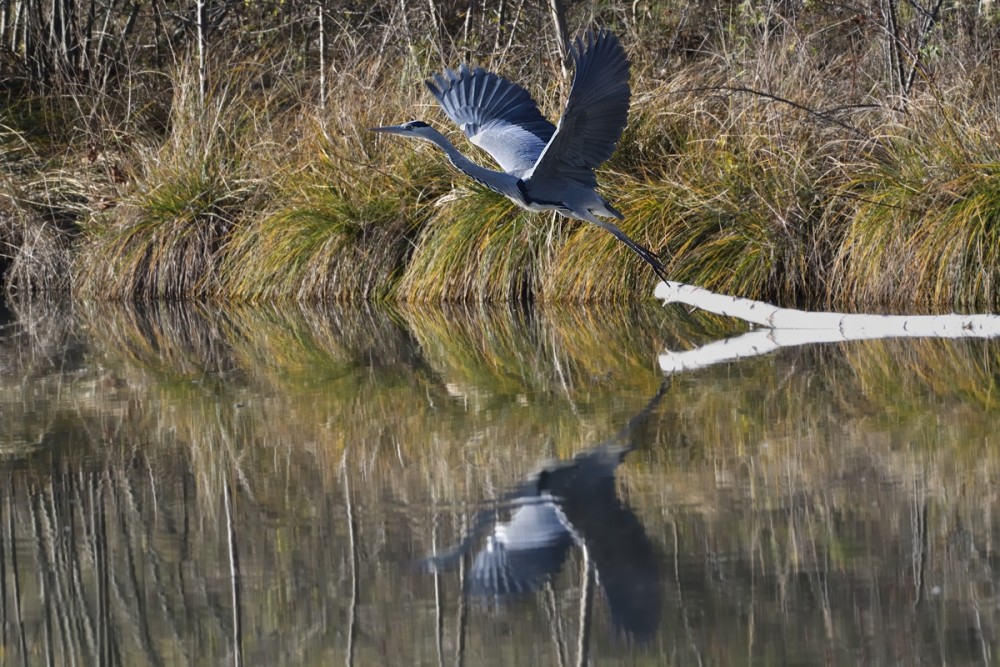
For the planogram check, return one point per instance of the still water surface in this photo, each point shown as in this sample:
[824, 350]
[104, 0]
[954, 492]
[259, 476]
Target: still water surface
[184, 485]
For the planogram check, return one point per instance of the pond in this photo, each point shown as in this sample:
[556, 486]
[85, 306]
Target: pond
[487, 486]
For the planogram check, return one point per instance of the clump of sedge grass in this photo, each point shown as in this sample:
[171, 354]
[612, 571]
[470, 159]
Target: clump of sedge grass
[476, 246]
[42, 200]
[339, 235]
[165, 237]
[347, 207]
[164, 242]
[925, 223]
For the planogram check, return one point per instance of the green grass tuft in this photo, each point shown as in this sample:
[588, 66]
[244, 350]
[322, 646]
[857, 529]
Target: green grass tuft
[165, 244]
[925, 226]
[476, 246]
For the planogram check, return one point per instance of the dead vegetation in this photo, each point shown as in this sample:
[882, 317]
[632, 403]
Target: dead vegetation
[799, 153]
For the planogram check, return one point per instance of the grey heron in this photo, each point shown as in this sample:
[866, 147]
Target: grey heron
[544, 167]
[566, 504]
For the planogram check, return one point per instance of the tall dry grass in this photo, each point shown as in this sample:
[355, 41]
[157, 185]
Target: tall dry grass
[773, 152]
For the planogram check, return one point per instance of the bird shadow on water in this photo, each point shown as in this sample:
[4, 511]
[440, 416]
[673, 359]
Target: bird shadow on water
[567, 505]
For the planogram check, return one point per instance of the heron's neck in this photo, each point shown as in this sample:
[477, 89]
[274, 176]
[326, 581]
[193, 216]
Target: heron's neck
[500, 181]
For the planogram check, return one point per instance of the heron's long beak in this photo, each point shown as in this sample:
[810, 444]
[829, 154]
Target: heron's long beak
[390, 129]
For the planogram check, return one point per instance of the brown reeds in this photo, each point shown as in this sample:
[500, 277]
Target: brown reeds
[773, 153]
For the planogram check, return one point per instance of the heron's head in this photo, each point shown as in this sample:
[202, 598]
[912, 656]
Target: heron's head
[414, 128]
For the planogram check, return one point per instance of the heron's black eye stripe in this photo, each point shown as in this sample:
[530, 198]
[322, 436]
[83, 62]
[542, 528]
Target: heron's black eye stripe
[417, 123]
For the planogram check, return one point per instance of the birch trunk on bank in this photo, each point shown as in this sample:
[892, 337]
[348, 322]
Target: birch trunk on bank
[786, 327]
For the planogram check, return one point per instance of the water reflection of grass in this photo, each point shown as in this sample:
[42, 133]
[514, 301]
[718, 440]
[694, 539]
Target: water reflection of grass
[359, 369]
[476, 388]
[806, 489]
[534, 368]
[967, 371]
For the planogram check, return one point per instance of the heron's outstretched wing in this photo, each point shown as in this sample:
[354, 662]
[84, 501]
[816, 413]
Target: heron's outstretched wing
[498, 116]
[596, 112]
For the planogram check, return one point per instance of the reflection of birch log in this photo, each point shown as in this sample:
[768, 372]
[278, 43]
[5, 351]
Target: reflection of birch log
[586, 608]
[43, 576]
[14, 573]
[786, 327]
[463, 614]
[352, 627]
[234, 572]
[555, 624]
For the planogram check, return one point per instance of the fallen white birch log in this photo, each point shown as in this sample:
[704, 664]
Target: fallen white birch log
[787, 327]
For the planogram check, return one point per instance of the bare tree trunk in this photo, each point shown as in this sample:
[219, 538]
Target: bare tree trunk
[126, 33]
[320, 13]
[930, 19]
[97, 55]
[158, 31]
[893, 44]
[562, 37]
[501, 24]
[466, 25]
[403, 11]
[897, 53]
[55, 28]
[17, 28]
[436, 26]
[513, 26]
[5, 18]
[34, 47]
[202, 75]
[86, 34]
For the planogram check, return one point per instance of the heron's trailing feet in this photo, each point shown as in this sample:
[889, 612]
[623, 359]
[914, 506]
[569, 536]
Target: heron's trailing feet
[544, 167]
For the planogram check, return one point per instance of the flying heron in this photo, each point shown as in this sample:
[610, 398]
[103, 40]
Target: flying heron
[545, 167]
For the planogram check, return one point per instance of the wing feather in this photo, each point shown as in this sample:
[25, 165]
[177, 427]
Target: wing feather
[498, 116]
[596, 111]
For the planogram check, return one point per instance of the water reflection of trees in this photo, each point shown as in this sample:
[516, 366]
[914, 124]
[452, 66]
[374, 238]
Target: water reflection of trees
[807, 502]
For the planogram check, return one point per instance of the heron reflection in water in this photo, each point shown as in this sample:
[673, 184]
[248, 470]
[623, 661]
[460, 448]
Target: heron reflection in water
[569, 504]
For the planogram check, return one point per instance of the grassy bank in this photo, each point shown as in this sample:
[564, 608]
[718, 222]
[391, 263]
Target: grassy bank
[806, 154]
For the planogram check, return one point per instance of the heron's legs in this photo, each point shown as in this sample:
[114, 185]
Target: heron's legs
[648, 255]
